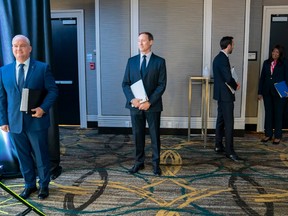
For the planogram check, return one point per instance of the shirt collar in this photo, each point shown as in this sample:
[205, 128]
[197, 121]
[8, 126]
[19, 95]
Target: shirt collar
[148, 55]
[27, 62]
[224, 52]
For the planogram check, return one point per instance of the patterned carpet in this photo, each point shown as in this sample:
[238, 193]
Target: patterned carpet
[195, 180]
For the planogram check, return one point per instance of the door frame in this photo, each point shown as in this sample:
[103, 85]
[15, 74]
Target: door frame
[79, 15]
[267, 12]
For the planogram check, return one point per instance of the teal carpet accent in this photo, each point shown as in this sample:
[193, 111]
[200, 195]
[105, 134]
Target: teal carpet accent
[195, 180]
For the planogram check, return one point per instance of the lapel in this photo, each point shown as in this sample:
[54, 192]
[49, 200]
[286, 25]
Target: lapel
[13, 74]
[276, 68]
[29, 72]
[135, 65]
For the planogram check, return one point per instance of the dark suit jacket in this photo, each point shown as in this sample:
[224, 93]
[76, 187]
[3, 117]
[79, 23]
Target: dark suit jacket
[154, 81]
[222, 74]
[266, 82]
[38, 77]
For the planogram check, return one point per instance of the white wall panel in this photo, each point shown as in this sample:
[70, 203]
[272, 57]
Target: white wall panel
[177, 27]
[114, 52]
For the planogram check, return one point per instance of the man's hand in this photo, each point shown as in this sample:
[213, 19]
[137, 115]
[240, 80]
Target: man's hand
[260, 97]
[144, 106]
[5, 128]
[238, 86]
[136, 102]
[39, 112]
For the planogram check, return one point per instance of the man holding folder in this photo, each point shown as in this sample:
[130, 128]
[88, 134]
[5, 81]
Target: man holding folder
[225, 86]
[28, 130]
[150, 70]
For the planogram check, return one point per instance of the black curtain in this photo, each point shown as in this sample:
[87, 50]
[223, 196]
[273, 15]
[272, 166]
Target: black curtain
[31, 18]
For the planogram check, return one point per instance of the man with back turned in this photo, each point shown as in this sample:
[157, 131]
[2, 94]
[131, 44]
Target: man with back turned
[224, 89]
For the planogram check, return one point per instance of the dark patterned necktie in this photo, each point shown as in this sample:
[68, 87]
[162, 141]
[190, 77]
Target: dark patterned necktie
[21, 77]
[143, 66]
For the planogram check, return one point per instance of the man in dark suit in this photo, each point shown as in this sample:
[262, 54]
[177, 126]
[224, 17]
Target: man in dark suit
[29, 132]
[224, 89]
[153, 74]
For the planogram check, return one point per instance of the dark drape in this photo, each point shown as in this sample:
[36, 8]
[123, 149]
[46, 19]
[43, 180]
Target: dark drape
[31, 18]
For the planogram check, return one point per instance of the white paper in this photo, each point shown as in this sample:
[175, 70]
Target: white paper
[139, 91]
[234, 74]
[24, 100]
[231, 89]
[235, 77]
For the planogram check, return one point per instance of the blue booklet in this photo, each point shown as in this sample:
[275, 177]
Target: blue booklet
[282, 89]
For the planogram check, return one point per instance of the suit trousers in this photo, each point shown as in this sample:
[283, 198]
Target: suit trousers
[138, 119]
[274, 108]
[30, 146]
[225, 126]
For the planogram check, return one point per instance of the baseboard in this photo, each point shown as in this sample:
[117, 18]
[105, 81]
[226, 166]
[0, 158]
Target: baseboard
[92, 124]
[250, 127]
[164, 131]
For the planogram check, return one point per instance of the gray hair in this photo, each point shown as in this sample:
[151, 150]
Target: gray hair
[21, 37]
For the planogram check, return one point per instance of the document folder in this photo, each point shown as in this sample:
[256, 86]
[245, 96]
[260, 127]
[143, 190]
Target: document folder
[282, 89]
[231, 89]
[138, 91]
[235, 77]
[31, 98]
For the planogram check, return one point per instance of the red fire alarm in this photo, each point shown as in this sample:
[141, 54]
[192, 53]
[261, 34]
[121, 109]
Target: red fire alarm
[92, 65]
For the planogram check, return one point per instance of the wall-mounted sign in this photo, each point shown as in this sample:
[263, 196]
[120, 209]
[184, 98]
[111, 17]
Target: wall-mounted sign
[252, 56]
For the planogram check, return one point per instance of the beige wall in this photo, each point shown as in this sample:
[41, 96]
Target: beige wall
[255, 41]
[255, 37]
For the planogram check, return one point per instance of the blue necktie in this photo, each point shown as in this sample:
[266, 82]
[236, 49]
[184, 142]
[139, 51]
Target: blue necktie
[143, 66]
[21, 77]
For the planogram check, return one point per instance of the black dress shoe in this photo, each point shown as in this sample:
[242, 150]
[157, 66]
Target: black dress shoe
[157, 171]
[43, 193]
[27, 192]
[276, 141]
[219, 150]
[234, 157]
[266, 139]
[136, 168]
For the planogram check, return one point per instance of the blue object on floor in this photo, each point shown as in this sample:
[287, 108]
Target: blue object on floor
[9, 166]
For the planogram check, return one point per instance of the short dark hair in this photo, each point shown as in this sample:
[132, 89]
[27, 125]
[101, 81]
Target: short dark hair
[150, 36]
[225, 41]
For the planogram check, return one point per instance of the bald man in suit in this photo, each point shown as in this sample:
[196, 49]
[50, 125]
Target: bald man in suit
[29, 132]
